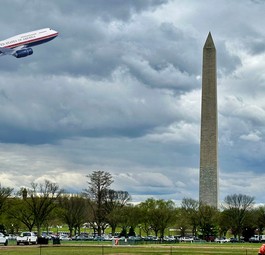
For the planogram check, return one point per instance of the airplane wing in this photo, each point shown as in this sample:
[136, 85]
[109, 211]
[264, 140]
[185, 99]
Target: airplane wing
[7, 51]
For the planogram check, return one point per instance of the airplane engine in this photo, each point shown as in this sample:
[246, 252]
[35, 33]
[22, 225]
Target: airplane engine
[23, 53]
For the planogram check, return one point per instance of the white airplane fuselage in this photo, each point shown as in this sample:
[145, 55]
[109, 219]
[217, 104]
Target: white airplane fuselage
[20, 45]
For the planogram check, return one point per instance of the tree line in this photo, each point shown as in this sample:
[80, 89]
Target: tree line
[99, 207]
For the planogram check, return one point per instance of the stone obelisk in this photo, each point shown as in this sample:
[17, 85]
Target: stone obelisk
[209, 128]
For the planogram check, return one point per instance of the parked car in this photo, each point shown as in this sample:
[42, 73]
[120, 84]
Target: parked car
[169, 238]
[45, 235]
[151, 238]
[11, 237]
[198, 240]
[3, 239]
[135, 238]
[27, 238]
[100, 238]
[107, 237]
[222, 240]
[186, 239]
[83, 237]
[64, 237]
[257, 239]
[233, 240]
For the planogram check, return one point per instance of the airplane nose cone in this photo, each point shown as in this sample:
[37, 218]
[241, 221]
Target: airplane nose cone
[54, 32]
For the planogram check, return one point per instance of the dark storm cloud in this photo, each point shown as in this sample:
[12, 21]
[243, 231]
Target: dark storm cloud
[97, 47]
[128, 46]
[227, 61]
[119, 89]
[255, 44]
[86, 47]
[30, 113]
[258, 1]
[108, 10]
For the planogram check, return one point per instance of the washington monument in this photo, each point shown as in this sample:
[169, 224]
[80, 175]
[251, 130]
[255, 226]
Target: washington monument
[209, 130]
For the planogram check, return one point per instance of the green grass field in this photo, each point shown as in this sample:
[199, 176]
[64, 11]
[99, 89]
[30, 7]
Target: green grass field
[69, 248]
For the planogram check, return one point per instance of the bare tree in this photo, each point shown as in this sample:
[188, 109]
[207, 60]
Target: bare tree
[20, 212]
[41, 201]
[236, 209]
[116, 198]
[5, 192]
[97, 193]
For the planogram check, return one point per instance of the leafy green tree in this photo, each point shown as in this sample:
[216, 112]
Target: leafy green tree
[182, 222]
[207, 216]
[133, 216]
[146, 208]
[131, 232]
[73, 211]
[115, 201]
[189, 214]
[11, 224]
[19, 211]
[223, 224]
[259, 216]
[123, 232]
[129, 218]
[160, 214]
[114, 219]
[255, 222]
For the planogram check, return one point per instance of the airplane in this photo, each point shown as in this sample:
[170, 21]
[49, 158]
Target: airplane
[20, 45]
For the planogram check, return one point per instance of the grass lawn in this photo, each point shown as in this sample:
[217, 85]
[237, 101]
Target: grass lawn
[86, 248]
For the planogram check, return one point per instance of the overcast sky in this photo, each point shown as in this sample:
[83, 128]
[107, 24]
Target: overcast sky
[119, 90]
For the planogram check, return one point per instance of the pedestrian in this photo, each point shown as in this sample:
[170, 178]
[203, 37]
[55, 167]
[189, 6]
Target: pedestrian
[262, 250]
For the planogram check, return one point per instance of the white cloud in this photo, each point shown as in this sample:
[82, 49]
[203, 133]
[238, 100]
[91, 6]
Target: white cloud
[252, 137]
